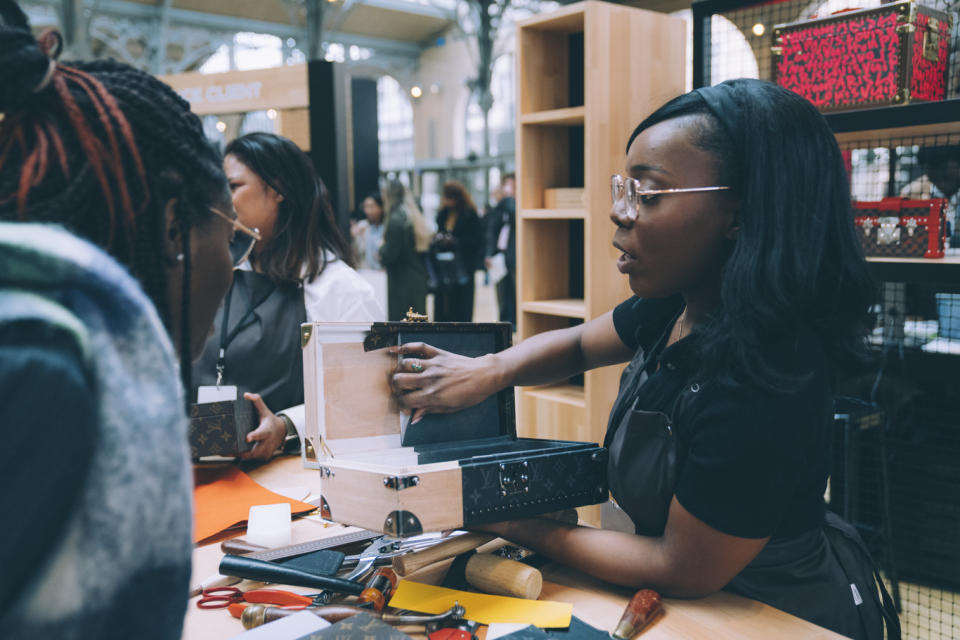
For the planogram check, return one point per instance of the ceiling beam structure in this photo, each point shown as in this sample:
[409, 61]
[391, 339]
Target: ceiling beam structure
[165, 18]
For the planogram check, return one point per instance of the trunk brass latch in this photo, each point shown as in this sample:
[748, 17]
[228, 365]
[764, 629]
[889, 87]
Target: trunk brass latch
[931, 41]
[889, 230]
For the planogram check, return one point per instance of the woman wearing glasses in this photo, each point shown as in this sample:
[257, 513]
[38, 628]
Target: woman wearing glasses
[300, 270]
[733, 223]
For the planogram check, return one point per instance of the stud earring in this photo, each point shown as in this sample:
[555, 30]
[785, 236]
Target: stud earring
[179, 257]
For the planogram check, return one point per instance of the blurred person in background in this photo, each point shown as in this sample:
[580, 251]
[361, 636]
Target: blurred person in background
[368, 232]
[501, 249]
[455, 253]
[406, 239]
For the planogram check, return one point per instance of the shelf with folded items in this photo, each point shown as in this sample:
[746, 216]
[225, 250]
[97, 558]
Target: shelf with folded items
[553, 214]
[557, 412]
[561, 117]
[570, 394]
[563, 307]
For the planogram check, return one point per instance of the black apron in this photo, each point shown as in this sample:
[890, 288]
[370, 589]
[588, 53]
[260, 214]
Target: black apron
[819, 575]
[257, 329]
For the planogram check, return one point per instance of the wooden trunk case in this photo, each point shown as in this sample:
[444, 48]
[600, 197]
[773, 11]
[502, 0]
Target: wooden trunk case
[893, 54]
[448, 470]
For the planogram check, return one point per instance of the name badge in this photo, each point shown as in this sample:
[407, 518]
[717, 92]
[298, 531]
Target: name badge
[216, 394]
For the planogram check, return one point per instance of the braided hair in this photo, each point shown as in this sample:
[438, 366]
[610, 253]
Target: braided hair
[100, 147]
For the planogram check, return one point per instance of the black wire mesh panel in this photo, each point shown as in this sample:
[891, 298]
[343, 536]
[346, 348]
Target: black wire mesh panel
[734, 40]
[915, 531]
[915, 315]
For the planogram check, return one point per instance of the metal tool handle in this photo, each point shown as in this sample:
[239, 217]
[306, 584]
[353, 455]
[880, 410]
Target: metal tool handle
[253, 569]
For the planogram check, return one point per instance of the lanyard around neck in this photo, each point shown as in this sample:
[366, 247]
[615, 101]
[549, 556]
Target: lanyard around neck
[227, 338]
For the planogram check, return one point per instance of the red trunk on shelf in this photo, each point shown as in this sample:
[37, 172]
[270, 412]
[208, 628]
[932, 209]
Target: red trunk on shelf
[901, 228]
[893, 54]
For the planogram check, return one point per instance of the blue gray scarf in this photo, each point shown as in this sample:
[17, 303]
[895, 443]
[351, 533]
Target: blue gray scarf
[130, 532]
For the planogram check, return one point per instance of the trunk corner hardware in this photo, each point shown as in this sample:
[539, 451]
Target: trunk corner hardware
[399, 483]
[306, 332]
[309, 452]
[401, 524]
[514, 478]
[325, 472]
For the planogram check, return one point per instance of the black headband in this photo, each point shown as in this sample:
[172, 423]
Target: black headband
[728, 111]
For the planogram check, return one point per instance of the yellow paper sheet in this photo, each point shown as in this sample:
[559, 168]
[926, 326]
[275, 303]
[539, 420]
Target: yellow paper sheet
[481, 607]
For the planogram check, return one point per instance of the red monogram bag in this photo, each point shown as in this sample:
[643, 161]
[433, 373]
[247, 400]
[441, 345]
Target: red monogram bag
[893, 54]
[901, 228]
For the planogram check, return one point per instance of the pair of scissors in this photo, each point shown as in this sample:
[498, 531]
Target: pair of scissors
[236, 600]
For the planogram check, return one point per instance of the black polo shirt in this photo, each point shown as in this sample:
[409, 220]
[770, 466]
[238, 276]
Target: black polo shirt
[753, 463]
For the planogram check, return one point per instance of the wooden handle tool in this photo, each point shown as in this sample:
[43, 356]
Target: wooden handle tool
[503, 577]
[643, 607]
[410, 562]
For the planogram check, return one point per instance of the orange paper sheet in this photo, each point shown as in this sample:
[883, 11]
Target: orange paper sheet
[222, 497]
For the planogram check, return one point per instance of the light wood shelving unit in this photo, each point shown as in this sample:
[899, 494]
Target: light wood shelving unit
[587, 75]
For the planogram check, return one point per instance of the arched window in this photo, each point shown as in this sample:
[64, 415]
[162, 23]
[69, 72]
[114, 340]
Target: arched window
[395, 126]
[502, 114]
[737, 59]
[823, 8]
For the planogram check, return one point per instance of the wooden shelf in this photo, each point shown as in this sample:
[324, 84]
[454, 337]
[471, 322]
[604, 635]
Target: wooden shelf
[553, 214]
[564, 393]
[894, 133]
[567, 116]
[918, 119]
[952, 259]
[569, 19]
[564, 307]
[946, 269]
[570, 69]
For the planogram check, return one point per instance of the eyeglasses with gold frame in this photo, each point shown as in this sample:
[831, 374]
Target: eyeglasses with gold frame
[626, 188]
[241, 244]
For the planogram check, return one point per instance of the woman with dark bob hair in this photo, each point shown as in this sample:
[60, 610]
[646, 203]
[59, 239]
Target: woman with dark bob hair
[301, 271]
[734, 226]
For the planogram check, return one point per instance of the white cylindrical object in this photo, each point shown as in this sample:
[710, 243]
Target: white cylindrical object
[269, 525]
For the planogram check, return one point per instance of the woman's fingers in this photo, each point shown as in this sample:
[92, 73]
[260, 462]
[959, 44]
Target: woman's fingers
[421, 402]
[403, 382]
[417, 350]
[266, 438]
[261, 406]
